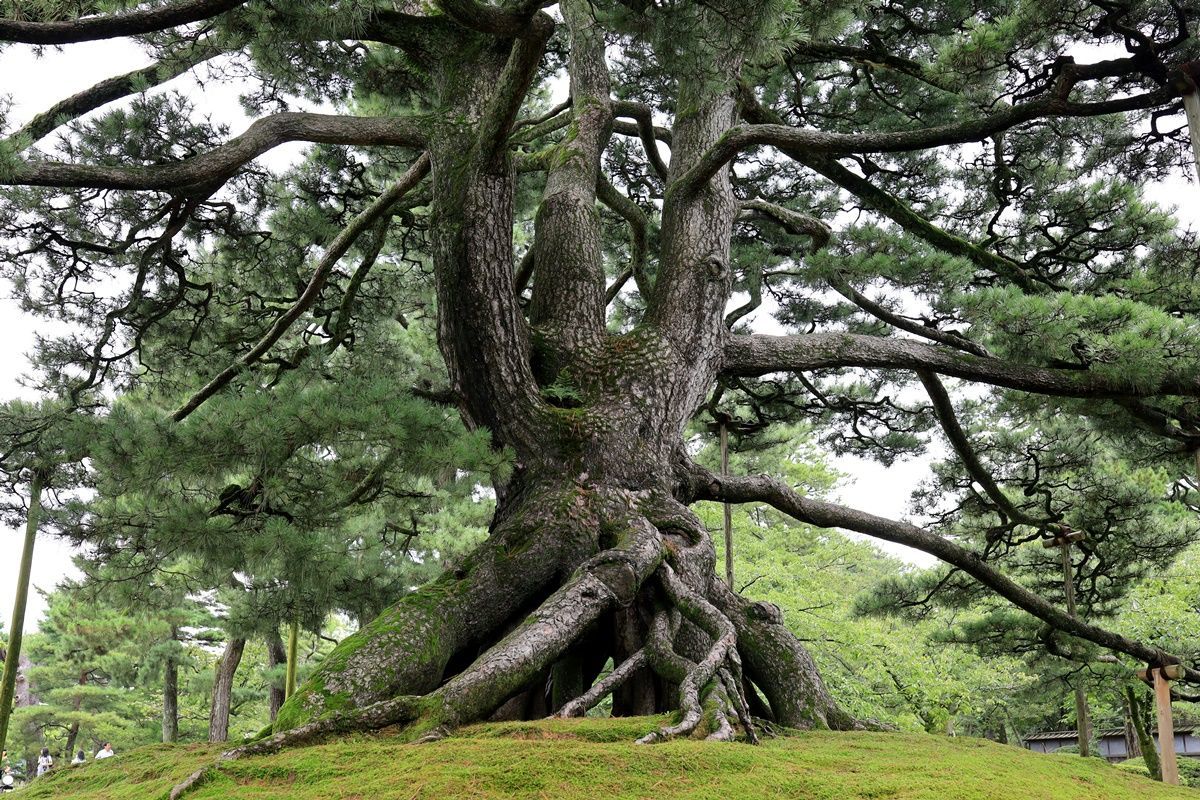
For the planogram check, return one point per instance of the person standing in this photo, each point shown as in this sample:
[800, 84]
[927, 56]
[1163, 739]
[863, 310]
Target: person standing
[45, 762]
[105, 752]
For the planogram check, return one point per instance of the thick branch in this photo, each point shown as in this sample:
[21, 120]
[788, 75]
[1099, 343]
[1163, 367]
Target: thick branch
[748, 356]
[765, 489]
[487, 18]
[107, 91]
[645, 131]
[568, 285]
[512, 86]
[962, 446]
[337, 248]
[211, 169]
[809, 140]
[876, 310]
[132, 23]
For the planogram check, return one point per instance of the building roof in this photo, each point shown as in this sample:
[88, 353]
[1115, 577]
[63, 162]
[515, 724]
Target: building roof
[1050, 736]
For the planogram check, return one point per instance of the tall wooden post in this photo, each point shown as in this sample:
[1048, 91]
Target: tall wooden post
[289, 682]
[1161, 678]
[1082, 721]
[728, 509]
[1166, 728]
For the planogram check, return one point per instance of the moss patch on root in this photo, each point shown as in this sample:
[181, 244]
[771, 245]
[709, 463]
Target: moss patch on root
[585, 759]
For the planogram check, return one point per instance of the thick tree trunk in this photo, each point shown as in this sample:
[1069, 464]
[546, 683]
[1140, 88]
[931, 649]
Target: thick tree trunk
[1145, 740]
[170, 709]
[593, 552]
[72, 735]
[218, 718]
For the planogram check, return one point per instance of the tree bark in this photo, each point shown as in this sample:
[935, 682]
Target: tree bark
[170, 710]
[218, 718]
[590, 534]
[1145, 740]
[276, 656]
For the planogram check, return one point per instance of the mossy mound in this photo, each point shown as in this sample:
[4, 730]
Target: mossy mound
[596, 759]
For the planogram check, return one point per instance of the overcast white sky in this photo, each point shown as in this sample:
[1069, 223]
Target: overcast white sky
[34, 83]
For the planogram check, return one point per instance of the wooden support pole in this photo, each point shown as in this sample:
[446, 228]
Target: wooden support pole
[12, 655]
[728, 509]
[1082, 722]
[1166, 728]
[289, 682]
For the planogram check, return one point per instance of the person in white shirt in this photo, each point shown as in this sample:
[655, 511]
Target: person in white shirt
[45, 762]
[105, 752]
[79, 758]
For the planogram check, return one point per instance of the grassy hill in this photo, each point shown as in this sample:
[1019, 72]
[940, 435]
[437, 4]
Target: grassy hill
[596, 760]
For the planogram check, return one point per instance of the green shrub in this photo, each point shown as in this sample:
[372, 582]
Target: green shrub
[1189, 771]
[1136, 765]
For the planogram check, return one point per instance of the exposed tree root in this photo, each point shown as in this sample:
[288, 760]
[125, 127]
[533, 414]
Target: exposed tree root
[658, 560]
[603, 688]
[702, 685]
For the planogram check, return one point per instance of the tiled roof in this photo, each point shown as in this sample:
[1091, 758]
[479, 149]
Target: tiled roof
[1045, 736]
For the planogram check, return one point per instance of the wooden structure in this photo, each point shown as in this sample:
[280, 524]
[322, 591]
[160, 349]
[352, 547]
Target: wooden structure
[1112, 744]
[1160, 678]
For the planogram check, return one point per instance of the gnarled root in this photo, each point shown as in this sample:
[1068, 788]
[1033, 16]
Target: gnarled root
[604, 687]
[703, 681]
[654, 566]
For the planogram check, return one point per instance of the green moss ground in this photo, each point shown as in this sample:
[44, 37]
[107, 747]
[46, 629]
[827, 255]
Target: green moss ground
[596, 760]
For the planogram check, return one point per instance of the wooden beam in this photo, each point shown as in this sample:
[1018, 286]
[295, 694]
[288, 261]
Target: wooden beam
[1173, 672]
[1067, 536]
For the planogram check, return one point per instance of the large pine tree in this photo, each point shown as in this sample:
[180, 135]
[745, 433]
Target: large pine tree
[921, 190]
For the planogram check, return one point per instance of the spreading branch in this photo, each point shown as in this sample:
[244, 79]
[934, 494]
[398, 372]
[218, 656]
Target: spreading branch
[106, 91]
[205, 172]
[1055, 103]
[132, 23]
[823, 514]
[752, 356]
[337, 248]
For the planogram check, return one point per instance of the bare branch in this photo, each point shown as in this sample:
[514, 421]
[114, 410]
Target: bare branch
[132, 23]
[773, 492]
[205, 172]
[337, 248]
[749, 356]
[962, 446]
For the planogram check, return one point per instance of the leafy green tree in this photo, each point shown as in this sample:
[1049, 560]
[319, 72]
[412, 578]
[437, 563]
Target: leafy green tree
[87, 657]
[263, 343]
